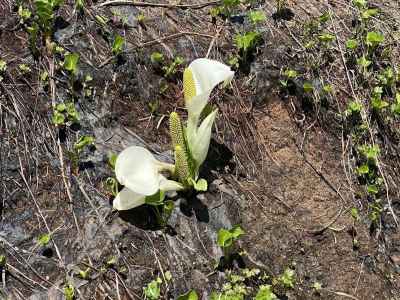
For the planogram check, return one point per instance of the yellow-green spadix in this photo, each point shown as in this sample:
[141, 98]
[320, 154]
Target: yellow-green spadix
[199, 79]
[140, 173]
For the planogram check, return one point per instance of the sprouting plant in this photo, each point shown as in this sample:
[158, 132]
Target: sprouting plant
[396, 106]
[227, 238]
[157, 58]
[118, 44]
[225, 9]
[141, 18]
[374, 39]
[24, 14]
[24, 69]
[351, 44]
[70, 64]
[65, 113]
[152, 290]
[317, 286]
[256, 16]
[265, 293]
[44, 239]
[172, 68]
[191, 295]
[376, 100]
[287, 279]
[326, 37]
[3, 261]
[69, 291]
[247, 42]
[84, 274]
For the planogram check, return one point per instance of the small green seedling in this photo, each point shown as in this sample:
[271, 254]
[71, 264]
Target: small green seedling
[256, 16]
[65, 113]
[374, 39]
[152, 290]
[84, 274]
[3, 66]
[227, 238]
[351, 44]
[24, 69]
[83, 142]
[368, 13]
[360, 4]
[317, 286]
[172, 68]
[44, 239]
[118, 45]
[265, 293]
[396, 106]
[70, 64]
[326, 37]
[287, 279]
[24, 14]
[247, 42]
[69, 291]
[354, 213]
[157, 58]
[191, 295]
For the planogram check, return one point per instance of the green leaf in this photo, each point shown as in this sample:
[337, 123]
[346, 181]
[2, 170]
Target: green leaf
[84, 274]
[287, 278]
[58, 118]
[378, 103]
[247, 41]
[364, 62]
[83, 141]
[368, 13]
[224, 238]
[237, 232]
[3, 261]
[360, 3]
[351, 44]
[370, 152]
[372, 189]
[290, 74]
[69, 291]
[265, 293]
[324, 17]
[354, 213]
[363, 170]
[191, 295]
[71, 62]
[326, 37]
[44, 239]
[200, 185]
[24, 14]
[374, 38]
[118, 45]
[112, 158]
[308, 87]
[317, 286]
[257, 16]
[152, 290]
[157, 57]
[155, 199]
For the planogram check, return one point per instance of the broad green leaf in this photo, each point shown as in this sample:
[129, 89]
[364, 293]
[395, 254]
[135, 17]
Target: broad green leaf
[118, 45]
[326, 37]
[288, 278]
[224, 238]
[58, 118]
[157, 57]
[71, 62]
[152, 290]
[83, 141]
[236, 232]
[374, 38]
[362, 170]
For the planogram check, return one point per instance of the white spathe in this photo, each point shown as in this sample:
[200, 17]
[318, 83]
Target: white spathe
[138, 170]
[206, 74]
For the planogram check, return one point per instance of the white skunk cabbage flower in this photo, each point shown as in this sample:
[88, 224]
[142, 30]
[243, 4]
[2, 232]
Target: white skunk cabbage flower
[199, 79]
[138, 170]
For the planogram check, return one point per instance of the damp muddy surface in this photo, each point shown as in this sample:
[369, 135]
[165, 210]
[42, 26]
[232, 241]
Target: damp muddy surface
[276, 166]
